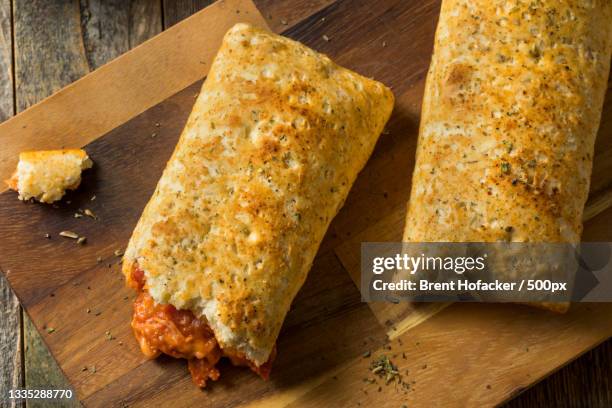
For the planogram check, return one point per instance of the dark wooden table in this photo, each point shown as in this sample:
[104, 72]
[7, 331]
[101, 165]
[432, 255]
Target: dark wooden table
[47, 44]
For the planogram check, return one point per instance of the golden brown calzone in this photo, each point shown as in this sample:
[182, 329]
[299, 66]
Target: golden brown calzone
[511, 109]
[273, 144]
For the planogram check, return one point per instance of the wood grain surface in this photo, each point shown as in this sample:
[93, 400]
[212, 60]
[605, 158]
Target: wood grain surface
[177, 10]
[573, 386]
[35, 77]
[7, 107]
[11, 371]
[110, 28]
[329, 300]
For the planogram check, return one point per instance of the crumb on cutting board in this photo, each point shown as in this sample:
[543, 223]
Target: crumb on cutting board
[45, 175]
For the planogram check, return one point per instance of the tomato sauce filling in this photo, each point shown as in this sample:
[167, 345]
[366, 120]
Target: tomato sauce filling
[179, 333]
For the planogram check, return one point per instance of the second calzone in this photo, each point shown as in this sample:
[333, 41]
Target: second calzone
[511, 108]
[273, 144]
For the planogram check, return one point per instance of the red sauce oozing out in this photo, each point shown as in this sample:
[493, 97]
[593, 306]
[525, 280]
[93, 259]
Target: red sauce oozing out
[180, 334]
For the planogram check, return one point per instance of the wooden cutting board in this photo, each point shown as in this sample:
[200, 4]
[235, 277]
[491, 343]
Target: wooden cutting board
[129, 114]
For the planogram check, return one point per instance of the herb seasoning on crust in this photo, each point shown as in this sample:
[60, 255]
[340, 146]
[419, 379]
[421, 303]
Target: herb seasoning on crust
[511, 108]
[274, 142]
